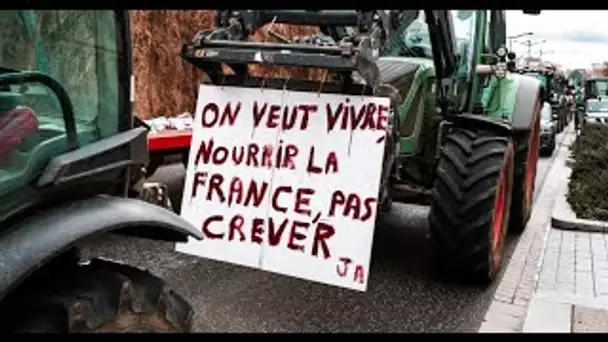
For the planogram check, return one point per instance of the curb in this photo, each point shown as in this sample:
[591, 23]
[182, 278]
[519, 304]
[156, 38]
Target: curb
[544, 314]
[563, 217]
[515, 290]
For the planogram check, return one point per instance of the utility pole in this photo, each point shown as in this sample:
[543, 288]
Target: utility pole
[529, 44]
[512, 38]
[542, 52]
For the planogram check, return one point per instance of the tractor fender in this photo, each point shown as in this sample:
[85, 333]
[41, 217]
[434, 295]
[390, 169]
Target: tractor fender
[473, 121]
[527, 102]
[33, 242]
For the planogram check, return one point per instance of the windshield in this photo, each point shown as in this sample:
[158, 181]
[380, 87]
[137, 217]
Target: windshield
[597, 106]
[79, 50]
[413, 40]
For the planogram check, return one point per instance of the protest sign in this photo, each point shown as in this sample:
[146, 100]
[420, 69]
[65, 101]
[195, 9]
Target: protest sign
[286, 181]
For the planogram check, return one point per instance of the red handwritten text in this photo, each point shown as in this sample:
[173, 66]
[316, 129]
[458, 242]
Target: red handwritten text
[268, 156]
[368, 116]
[251, 193]
[351, 205]
[284, 117]
[345, 265]
[212, 116]
[292, 233]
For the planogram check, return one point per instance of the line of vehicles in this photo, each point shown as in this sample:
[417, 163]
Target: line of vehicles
[464, 138]
[567, 98]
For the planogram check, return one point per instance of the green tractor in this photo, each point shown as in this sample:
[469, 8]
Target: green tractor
[550, 83]
[70, 157]
[464, 137]
[596, 88]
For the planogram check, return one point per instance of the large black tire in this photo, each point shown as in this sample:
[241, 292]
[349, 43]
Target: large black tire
[470, 204]
[155, 160]
[185, 155]
[99, 297]
[527, 145]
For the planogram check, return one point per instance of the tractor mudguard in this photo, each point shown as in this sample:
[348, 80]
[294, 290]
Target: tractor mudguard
[527, 102]
[31, 243]
[472, 121]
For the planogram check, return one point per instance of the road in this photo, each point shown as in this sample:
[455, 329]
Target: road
[403, 294]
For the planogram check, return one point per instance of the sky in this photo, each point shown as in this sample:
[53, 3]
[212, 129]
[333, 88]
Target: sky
[574, 38]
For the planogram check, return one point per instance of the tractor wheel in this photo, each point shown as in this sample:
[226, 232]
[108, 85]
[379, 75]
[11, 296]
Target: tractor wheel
[154, 162]
[470, 204]
[524, 177]
[184, 156]
[100, 297]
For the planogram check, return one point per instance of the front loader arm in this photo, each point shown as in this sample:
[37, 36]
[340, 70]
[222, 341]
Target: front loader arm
[344, 53]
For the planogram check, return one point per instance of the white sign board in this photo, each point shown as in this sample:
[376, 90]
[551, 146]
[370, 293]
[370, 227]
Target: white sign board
[286, 181]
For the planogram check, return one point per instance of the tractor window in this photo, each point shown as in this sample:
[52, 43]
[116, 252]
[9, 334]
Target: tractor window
[464, 29]
[79, 50]
[597, 88]
[413, 40]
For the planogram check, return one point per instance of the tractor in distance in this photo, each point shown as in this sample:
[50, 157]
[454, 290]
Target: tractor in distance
[464, 136]
[71, 157]
[593, 107]
[550, 91]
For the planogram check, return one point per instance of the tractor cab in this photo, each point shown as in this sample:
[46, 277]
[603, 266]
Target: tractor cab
[63, 88]
[594, 93]
[67, 147]
[596, 87]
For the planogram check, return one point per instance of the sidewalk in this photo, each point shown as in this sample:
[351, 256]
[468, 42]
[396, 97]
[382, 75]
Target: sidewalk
[517, 285]
[572, 289]
[556, 280]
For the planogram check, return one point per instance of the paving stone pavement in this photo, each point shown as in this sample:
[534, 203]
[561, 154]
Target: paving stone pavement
[575, 263]
[509, 307]
[573, 278]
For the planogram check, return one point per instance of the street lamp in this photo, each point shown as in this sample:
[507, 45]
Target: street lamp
[512, 38]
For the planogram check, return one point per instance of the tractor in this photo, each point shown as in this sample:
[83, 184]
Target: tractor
[595, 93]
[71, 157]
[550, 91]
[464, 133]
[596, 88]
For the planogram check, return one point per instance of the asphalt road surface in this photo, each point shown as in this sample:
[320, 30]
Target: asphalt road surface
[403, 294]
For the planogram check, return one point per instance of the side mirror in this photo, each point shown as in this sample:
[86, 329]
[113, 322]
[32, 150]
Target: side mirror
[532, 12]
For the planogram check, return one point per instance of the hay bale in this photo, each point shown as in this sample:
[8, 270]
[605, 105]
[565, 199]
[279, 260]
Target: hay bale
[165, 84]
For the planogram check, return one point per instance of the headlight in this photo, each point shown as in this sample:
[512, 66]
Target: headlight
[501, 52]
